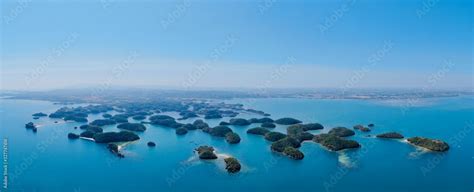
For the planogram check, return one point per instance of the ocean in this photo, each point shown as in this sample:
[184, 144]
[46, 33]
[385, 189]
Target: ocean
[49, 161]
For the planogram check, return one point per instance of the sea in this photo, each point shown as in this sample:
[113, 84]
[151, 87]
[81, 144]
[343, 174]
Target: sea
[49, 161]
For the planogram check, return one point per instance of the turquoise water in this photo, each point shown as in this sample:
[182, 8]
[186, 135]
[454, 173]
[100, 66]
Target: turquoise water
[49, 161]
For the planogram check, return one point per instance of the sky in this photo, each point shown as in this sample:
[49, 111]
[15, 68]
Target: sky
[236, 44]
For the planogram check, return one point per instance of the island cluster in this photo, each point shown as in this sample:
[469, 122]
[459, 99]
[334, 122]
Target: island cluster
[152, 113]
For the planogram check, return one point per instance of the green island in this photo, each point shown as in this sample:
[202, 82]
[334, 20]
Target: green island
[280, 145]
[274, 136]
[108, 137]
[293, 153]
[335, 143]
[390, 135]
[341, 132]
[181, 131]
[132, 127]
[151, 144]
[206, 152]
[431, 144]
[258, 131]
[361, 128]
[232, 138]
[268, 125]
[287, 121]
[239, 122]
[232, 165]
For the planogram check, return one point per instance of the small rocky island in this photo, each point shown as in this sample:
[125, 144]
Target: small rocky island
[287, 121]
[341, 132]
[239, 122]
[206, 152]
[361, 128]
[268, 125]
[31, 126]
[232, 165]
[390, 135]
[40, 114]
[151, 144]
[431, 144]
[232, 138]
[293, 153]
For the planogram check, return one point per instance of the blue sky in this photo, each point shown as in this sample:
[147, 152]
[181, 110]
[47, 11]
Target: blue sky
[270, 43]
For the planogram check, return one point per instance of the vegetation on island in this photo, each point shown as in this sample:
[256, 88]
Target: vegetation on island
[390, 135]
[274, 136]
[92, 128]
[258, 131]
[232, 165]
[103, 122]
[206, 152]
[335, 143]
[114, 148]
[311, 126]
[164, 120]
[361, 128]
[30, 125]
[293, 153]
[139, 117]
[268, 125]
[298, 132]
[280, 145]
[106, 115]
[132, 127]
[122, 136]
[232, 138]
[40, 114]
[72, 136]
[151, 144]
[189, 126]
[200, 124]
[341, 132]
[224, 123]
[239, 122]
[287, 121]
[181, 131]
[431, 144]
[220, 131]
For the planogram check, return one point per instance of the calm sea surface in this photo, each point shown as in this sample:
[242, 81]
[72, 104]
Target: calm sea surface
[49, 161]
